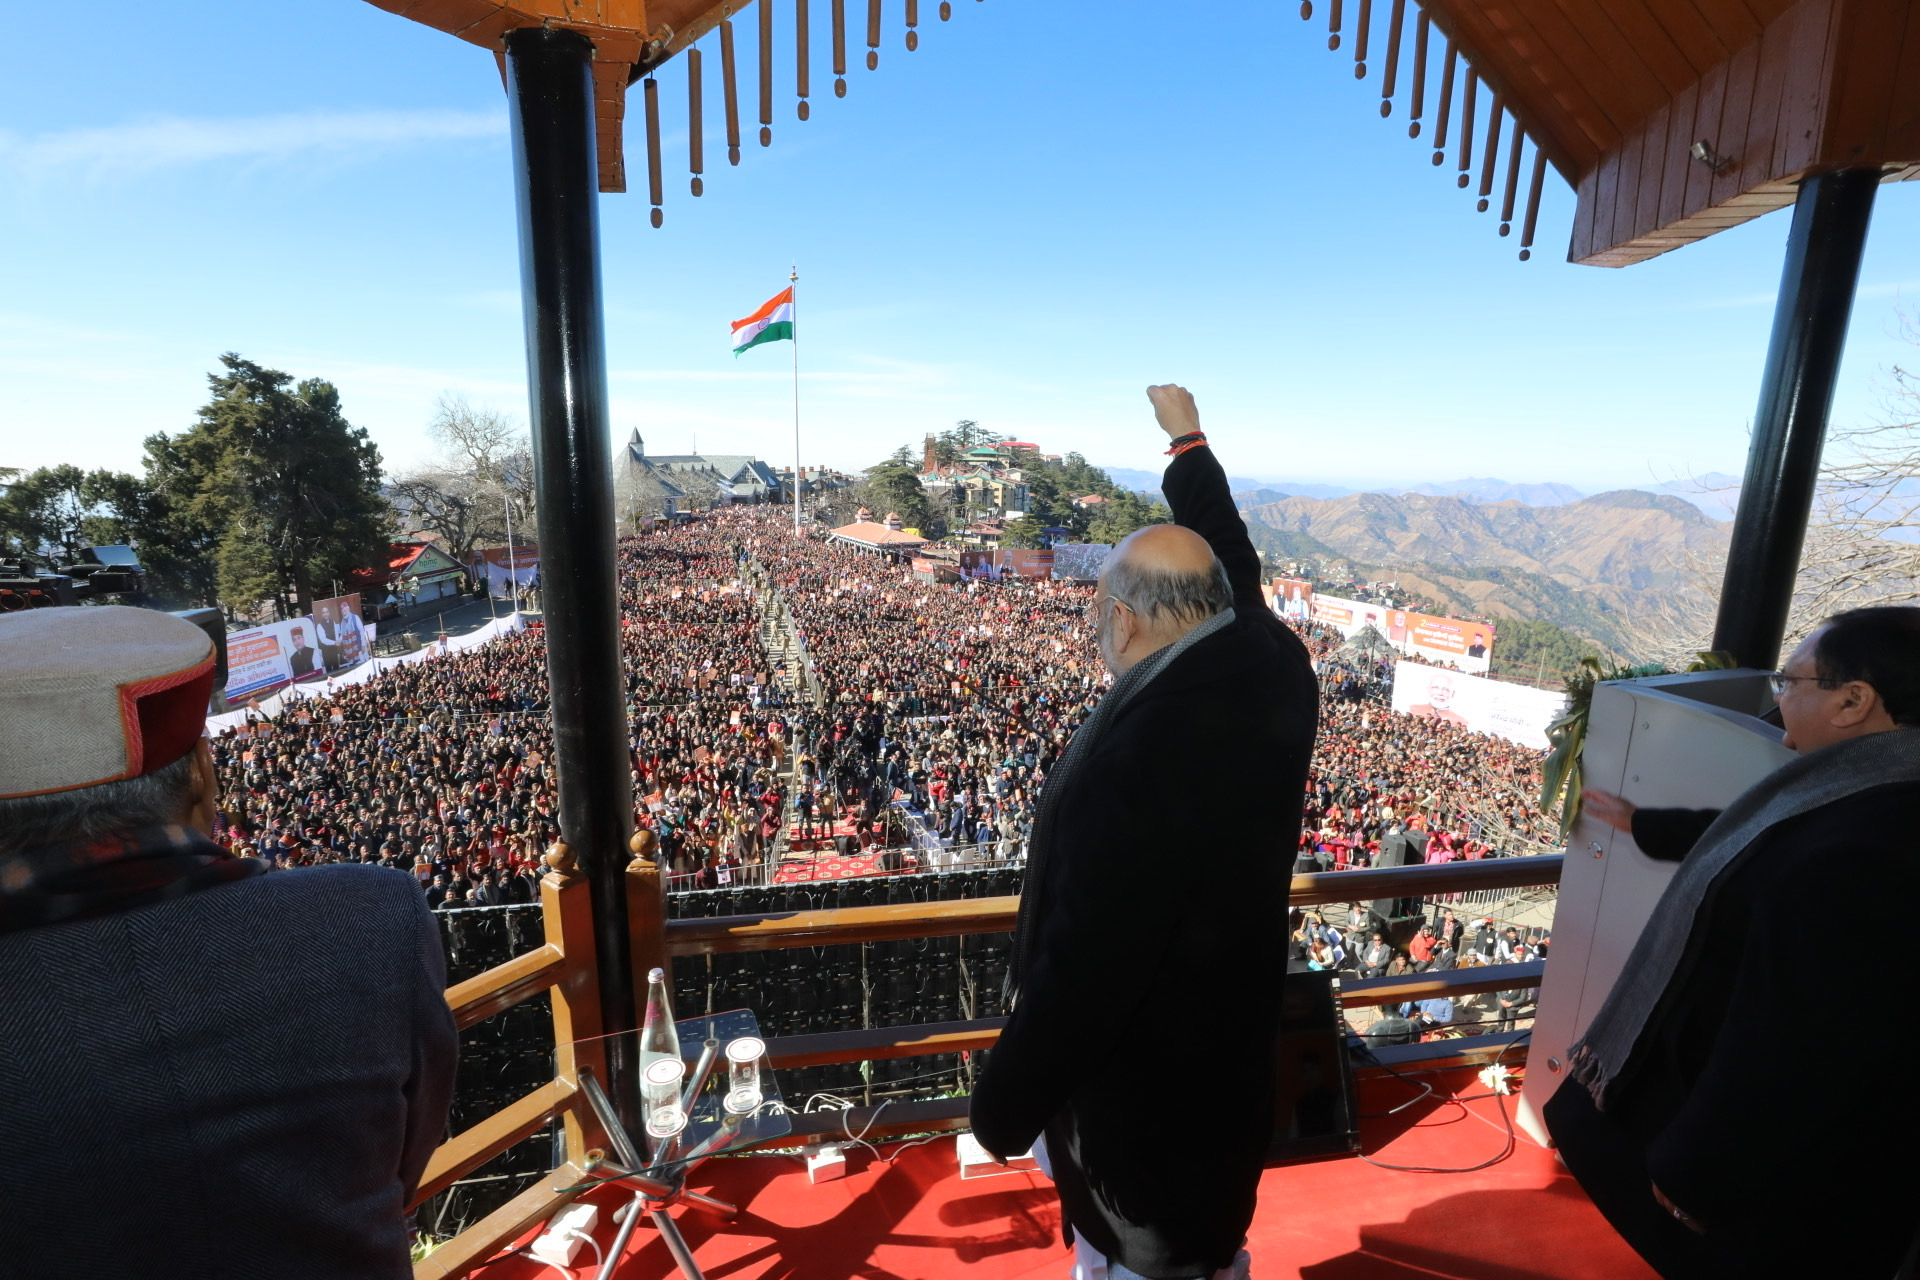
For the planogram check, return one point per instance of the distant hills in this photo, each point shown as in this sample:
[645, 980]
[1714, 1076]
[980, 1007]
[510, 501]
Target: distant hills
[1590, 565]
[1714, 492]
[1600, 565]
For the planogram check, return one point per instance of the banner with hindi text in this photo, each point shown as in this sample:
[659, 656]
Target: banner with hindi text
[1516, 712]
[1467, 645]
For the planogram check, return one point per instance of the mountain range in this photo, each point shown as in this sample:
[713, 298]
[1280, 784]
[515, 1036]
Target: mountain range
[1604, 566]
[1714, 492]
[1600, 566]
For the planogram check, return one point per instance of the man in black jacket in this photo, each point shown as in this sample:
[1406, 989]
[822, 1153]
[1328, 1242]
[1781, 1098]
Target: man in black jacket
[1709, 1146]
[1135, 986]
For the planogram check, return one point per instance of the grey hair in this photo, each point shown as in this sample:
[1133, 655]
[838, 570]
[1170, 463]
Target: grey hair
[89, 813]
[1160, 595]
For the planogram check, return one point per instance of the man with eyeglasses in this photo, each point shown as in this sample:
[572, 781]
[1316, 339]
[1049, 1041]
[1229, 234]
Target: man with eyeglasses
[1701, 1119]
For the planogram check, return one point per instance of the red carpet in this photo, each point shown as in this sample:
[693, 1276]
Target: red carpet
[829, 867]
[914, 1219]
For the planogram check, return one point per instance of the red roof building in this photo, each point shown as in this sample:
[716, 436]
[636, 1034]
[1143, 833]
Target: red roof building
[876, 537]
[420, 569]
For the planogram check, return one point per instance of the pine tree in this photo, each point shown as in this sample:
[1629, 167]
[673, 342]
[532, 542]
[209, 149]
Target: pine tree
[292, 486]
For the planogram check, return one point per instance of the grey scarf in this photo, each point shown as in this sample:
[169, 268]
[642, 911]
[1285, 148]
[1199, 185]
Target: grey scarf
[1040, 845]
[1799, 786]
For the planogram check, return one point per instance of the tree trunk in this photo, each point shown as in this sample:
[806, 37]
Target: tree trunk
[302, 588]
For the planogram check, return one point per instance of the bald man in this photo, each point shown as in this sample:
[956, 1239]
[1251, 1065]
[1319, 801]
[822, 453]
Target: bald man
[1135, 991]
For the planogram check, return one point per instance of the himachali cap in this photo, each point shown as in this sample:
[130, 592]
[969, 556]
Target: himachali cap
[97, 694]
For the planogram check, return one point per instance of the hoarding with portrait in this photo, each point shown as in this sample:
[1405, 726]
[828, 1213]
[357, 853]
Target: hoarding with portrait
[263, 659]
[1028, 562]
[1348, 616]
[344, 640]
[996, 564]
[1516, 712]
[1467, 645]
[1293, 598]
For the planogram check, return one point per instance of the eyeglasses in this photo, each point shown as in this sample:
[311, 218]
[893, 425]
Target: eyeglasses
[1779, 680]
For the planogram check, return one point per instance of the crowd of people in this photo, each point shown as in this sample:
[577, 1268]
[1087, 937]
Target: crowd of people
[445, 767]
[955, 698]
[936, 705]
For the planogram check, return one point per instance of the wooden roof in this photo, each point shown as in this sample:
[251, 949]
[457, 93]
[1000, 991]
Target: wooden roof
[631, 38]
[1671, 119]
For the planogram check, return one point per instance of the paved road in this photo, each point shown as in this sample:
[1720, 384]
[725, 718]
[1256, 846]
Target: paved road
[457, 616]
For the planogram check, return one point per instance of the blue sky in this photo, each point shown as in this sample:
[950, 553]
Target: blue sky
[1039, 212]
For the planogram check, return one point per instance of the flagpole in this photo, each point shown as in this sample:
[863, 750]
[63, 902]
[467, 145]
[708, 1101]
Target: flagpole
[793, 301]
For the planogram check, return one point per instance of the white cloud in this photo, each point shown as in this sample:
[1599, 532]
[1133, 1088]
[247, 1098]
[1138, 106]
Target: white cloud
[162, 142]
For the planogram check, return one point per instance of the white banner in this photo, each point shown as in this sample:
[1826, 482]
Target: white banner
[271, 707]
[1515, 712]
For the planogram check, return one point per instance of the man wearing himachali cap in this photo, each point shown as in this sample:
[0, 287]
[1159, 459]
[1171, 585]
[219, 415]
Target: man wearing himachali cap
[204, 1070]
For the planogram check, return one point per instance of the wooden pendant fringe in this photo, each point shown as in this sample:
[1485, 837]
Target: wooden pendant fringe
[1391, 76]
[696, 123]
[873, 35]
[766, 73]
[1446, 104]
[913, 20]
[1491, 157]
[1533, 202]
[1468, 102]
[1513, 177]
[802, 54]
[1499, 115]
[730, 88]
[839, 48]
[655, 193]
[1421, 27]
[946, 10]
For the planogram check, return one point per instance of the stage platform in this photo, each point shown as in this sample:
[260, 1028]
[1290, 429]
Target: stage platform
[909, 1215]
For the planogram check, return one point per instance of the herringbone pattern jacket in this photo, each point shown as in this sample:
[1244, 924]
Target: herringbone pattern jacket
[240, 1083]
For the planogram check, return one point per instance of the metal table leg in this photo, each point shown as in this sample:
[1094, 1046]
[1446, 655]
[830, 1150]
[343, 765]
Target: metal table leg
[619, 1246]
[676, 1245]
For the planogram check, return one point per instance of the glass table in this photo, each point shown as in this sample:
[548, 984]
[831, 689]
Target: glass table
[657, 1172]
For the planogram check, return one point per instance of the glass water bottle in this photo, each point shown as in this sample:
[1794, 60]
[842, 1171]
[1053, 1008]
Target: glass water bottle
[658, 1038]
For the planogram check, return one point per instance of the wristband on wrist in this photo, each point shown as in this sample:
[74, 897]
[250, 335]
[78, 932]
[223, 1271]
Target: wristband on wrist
[1192, 440]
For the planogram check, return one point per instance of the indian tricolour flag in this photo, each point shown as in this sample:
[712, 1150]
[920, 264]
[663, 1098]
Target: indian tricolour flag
[772, 322]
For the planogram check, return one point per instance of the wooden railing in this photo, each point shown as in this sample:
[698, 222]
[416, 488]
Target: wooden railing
[565, 966]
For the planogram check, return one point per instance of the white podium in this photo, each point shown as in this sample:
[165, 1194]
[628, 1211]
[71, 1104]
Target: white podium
[1681, 742]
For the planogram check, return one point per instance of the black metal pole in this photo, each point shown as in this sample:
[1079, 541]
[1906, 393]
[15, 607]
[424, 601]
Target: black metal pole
[1810, 317]
[556, 184]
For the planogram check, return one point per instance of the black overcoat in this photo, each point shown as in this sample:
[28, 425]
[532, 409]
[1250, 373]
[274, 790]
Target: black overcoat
[1766, 1096]
[1142, 1040]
